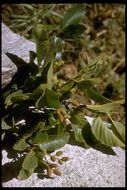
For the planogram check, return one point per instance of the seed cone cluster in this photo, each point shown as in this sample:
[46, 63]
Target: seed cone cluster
[53, 167]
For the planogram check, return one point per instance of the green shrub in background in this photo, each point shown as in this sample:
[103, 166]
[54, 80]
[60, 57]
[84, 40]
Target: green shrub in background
[50, 106]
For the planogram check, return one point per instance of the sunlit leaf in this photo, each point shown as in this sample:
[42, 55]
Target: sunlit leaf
[118, 129]
[96, 96]
[108, 107]
[16, 97]
[39, 91]
[21, 97]
[8, 101]
[51, 53]
[78, 118]
[41, 101]
[52, 120]
[73, 15]
[58, 44]
[20, 145]
[44, 46]
[40, 154]
[88, 70]
[85, 84]
[4, 125]
[78, 133]
[55, 142]
[30, 161]
[44, 72]
[61, 128]
[24, 174]
[3, 135]
[50, 76]
[104, 134]
[42, 42]
[40, 137]
[48, 98]
[52, 99]
[67, 86]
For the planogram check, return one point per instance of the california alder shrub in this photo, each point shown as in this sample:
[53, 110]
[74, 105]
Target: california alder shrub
[49, 106]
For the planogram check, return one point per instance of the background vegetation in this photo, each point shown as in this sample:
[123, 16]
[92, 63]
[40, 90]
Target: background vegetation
[104, 35]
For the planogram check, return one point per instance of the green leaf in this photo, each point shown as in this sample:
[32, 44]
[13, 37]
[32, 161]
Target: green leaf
[67, 86]
[8, 101]
[88, 135]
[42, 49]
[21, 97]
[48, 98]
[44, 72]
[73, 31]
[51, 52]
[5, 126]
[73, 16]
[44, 46]
[42, 42]
[121, 130]
[30, 162]
[24, 174]
[61, 128]
[16, 97]
[20, 145]
[108, 107]
[40, 155]
[55, 142]
[52, 98]
[85, 84]
[58, 44]
[50, 27]
[50, 76]
[40, 137]
[104, 134]
[40, 126]
[88, 70]
[118, 129]
[52, 120]
[39, 91]
[40, 33]
[3, 135]
[78, 133]
[96, 96]
[41, 101]
[78, 118]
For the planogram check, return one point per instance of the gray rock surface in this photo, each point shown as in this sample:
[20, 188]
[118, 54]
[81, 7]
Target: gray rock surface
[13, 43]
[86, 167]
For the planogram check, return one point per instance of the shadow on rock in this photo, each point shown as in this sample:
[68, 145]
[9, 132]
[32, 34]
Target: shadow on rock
[11, 170]
[40, 172]
[104, 149]
[95, 145]
[43, 176]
